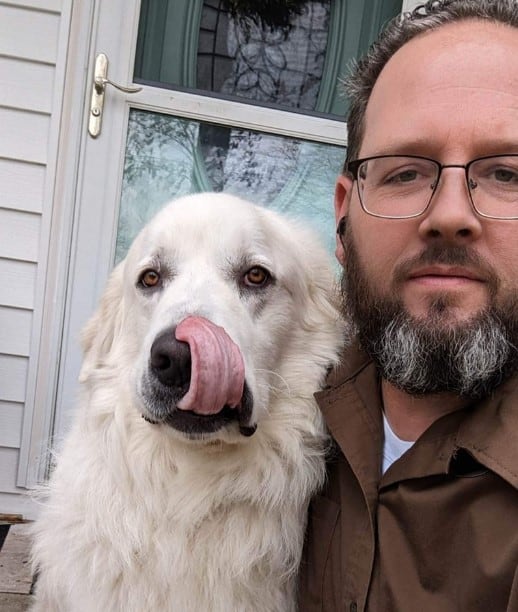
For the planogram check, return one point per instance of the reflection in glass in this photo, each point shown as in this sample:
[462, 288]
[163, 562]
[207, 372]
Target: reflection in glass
[287, 54]
[167, 157]
[247, 58]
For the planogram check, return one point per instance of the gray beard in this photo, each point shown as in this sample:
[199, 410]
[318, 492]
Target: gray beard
[470, 361]
[427, 356]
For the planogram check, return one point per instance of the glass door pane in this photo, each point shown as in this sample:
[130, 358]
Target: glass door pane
[288, 54]
[167, 157]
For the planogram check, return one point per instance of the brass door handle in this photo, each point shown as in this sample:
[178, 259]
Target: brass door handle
[98, 89]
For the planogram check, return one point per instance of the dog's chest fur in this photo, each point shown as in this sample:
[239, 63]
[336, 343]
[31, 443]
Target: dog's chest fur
[177, 531]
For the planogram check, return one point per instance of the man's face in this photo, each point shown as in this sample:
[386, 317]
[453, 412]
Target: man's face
[425, 356]
[451, 95]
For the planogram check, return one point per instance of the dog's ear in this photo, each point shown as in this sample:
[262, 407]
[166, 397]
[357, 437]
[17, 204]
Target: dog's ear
[320, 308]
[323, 300]
[100, 332]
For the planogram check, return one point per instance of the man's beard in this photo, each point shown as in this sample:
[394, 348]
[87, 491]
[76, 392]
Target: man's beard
[428, 355]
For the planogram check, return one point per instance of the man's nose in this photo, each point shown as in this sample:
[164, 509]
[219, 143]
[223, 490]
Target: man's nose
[450, 215]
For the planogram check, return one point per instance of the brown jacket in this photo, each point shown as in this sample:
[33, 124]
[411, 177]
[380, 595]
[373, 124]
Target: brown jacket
[438, 532]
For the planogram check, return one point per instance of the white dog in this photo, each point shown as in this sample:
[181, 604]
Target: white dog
[184, 483]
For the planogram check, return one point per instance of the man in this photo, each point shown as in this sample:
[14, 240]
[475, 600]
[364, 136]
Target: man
[420, 511]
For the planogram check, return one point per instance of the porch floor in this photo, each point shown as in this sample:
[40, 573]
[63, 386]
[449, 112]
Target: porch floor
[15, 571]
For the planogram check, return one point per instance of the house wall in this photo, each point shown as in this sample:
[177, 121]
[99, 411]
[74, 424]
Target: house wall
[33, 52]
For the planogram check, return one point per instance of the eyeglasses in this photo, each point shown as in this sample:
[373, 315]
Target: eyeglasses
[402, 186]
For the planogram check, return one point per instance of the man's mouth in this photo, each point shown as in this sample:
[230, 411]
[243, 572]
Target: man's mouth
[444, 276]
[446, 272]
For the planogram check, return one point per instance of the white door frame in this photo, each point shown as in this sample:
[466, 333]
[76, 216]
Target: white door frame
[54, 387]
[112, 31]
[42, 385]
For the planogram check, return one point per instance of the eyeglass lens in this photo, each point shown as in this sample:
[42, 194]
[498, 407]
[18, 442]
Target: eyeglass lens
[399, 186]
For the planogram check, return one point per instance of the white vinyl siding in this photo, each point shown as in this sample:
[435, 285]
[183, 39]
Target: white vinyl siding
[15, 224]
[15, 337]
[33, 38]
[11, 417]
[22, 185]
[28, 32]
[23, 134]
[17, 286]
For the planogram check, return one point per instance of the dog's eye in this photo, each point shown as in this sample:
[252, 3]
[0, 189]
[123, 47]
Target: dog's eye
[149, 279]
[256, 277]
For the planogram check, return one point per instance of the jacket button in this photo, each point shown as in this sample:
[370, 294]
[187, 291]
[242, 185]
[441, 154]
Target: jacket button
[353, 607]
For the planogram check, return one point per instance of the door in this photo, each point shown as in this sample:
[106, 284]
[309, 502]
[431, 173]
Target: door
[229, 101]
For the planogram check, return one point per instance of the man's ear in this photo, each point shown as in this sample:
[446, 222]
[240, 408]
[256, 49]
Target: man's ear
[342, 198]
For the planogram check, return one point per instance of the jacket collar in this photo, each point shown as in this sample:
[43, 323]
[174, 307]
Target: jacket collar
[485, 434]
[351, 407]
[490, 432]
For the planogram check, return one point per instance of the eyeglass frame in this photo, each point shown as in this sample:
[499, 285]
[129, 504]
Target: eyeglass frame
[353, 166]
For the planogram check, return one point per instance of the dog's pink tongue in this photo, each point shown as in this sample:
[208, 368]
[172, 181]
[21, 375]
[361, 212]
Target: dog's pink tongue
[217, 368]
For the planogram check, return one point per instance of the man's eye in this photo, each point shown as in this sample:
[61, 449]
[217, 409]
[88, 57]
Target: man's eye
[149, 279]
[506, 175]
[405, 176]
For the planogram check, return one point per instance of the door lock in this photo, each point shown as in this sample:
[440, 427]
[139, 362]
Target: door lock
[98, 88]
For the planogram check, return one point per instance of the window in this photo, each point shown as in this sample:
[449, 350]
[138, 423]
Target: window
[288, 57]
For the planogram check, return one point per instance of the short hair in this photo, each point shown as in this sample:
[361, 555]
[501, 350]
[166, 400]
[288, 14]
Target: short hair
[425, 17]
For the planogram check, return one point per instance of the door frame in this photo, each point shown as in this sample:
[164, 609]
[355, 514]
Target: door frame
[42, 386]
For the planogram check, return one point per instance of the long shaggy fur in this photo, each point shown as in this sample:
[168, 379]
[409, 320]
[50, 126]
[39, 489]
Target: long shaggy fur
[140, 517]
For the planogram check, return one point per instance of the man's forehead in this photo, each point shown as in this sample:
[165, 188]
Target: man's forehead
[440, 78]
[457, 42]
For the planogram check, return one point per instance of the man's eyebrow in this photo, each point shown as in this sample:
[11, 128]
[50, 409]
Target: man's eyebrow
[428, 148]
[403, 146]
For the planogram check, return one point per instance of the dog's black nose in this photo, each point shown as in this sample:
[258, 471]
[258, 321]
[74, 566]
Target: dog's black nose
[170, 362]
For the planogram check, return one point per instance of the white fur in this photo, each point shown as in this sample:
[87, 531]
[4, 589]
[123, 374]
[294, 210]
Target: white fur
[141, 518]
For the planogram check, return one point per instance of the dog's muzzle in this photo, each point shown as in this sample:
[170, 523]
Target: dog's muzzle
[195, 380]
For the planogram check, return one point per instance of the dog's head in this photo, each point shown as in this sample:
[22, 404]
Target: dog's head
[218, 304]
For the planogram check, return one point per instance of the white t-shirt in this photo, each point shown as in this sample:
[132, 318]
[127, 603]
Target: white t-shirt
[393, 447]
